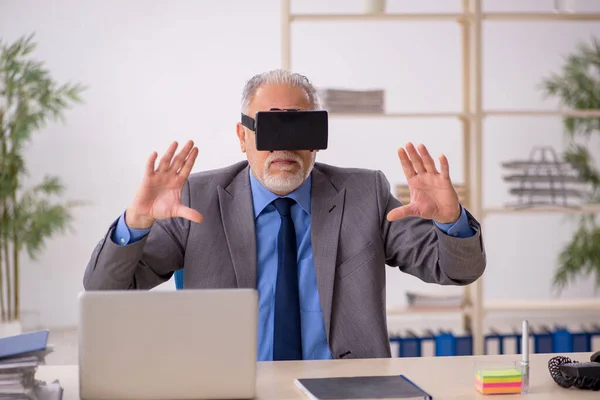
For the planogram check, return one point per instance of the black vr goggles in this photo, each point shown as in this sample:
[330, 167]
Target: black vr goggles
[289, 129]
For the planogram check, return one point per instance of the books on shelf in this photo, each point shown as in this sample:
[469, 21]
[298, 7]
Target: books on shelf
[427, 301]
[20, 356]
[343, 101]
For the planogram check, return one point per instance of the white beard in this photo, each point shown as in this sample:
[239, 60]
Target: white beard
[287, 182]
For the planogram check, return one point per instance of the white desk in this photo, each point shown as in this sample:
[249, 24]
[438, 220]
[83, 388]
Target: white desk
[443, 377]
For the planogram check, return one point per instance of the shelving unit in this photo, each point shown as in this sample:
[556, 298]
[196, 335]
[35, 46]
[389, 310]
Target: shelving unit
[542, 305]
[472, 116]
[541, 210]
[400, 115]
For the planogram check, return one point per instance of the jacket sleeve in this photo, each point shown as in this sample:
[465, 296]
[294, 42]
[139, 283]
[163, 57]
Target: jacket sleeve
[421, 248]
[141, 264]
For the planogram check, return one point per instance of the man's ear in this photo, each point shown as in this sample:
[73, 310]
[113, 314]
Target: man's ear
[241, 134]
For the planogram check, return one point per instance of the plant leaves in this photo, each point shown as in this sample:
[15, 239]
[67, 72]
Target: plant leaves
[29, 99]
[577, 86]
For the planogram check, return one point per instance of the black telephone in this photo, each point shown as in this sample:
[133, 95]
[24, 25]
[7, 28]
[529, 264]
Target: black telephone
[582, 375]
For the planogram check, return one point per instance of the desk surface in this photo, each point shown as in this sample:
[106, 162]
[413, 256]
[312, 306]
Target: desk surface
[442, 377]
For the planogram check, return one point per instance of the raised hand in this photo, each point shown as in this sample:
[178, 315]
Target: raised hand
[432, 195]
[159, 194]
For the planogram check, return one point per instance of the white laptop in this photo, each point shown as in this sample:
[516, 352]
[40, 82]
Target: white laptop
[184, 344]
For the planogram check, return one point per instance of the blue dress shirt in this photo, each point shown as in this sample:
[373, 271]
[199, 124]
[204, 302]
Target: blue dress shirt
[267, 221]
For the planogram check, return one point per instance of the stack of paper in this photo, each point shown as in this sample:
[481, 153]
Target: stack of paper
[353, 101]
[497, 381]
[434, 300]
[19, 358]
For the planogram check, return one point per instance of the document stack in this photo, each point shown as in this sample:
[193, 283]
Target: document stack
[429, 301]
[19, 358]
[353, 101]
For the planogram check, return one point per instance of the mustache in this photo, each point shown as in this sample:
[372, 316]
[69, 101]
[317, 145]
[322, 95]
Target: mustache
[283, 155]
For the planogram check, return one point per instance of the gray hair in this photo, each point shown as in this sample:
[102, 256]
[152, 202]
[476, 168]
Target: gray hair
[279, 77]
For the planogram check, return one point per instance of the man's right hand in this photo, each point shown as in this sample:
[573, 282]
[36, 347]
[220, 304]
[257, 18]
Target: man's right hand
[159, 195]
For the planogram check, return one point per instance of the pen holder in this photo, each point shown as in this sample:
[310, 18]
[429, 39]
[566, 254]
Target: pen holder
[498, 378]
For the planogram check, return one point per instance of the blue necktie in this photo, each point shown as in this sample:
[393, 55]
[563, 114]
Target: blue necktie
[287, 338]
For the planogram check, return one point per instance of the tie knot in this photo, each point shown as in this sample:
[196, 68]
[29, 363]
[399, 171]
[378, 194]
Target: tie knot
[283, 205]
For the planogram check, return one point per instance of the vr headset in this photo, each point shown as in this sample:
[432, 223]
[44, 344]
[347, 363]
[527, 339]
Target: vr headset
[289, 129]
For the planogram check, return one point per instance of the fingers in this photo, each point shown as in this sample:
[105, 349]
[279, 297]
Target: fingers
[188, 164]
[188, 213]
[180, 158]
[402, 212]
[417, 162]
[415, 158]
[445, 167]
[178, 163]
[151, 163]
[427, 159]
[165, 160]
[407, 166]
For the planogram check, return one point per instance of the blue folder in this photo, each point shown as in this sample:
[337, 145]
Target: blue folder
[25, 343]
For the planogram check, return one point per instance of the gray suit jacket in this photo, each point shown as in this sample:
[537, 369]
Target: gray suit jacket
[352, 243]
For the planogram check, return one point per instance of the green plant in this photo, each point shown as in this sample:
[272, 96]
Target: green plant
[578, 87]
[29, 98]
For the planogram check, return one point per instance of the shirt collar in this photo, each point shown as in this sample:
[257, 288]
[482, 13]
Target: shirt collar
[262, 197]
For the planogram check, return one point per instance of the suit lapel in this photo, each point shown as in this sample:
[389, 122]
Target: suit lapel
[327, 204]
[237, 214]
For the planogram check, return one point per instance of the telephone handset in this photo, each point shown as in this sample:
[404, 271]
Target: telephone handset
[582, 375]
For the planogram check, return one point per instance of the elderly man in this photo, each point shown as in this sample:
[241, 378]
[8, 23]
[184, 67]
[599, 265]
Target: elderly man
[313, 239]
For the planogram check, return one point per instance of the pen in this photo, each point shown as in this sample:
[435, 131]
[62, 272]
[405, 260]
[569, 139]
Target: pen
[525, 357]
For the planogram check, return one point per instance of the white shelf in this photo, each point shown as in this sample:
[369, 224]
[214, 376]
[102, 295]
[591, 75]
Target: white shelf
[591, 304]
[587, 304]
[396, 311]
[378, 17]
[488, 113]
[399, 115]
[541, 113]
[542, 210]
[535, 17]
[489, 16]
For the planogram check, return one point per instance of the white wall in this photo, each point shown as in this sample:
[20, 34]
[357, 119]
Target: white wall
[173, 70]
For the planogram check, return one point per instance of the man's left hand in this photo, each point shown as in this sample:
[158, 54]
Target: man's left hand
[432, 195]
